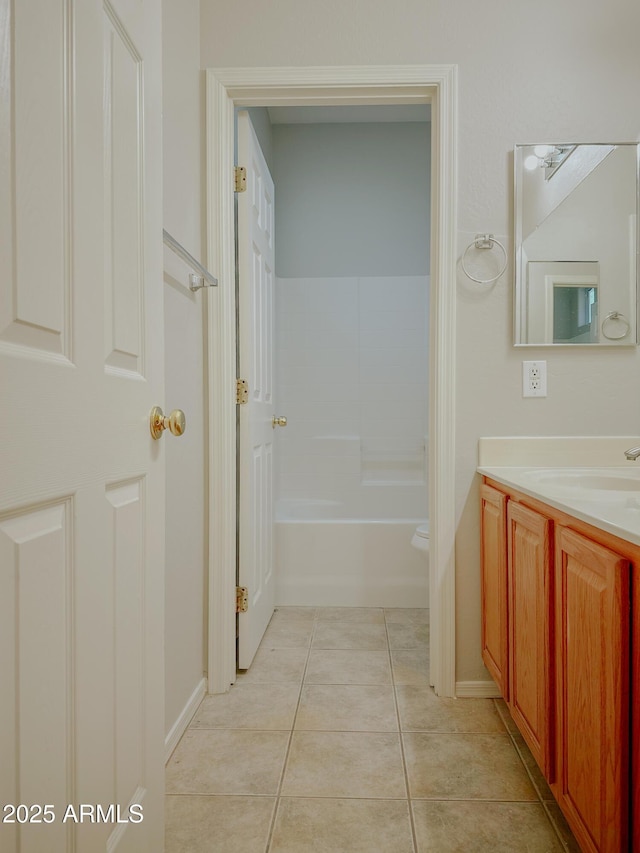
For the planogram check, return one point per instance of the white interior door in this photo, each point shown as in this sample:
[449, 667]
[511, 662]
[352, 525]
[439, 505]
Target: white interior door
[255, 309]
[82, 487]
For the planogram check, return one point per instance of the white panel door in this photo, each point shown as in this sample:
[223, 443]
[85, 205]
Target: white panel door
[82, 487]
[255, 309]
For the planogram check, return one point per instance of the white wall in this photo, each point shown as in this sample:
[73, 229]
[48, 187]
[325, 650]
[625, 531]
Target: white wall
[184, 360]
[552, 71]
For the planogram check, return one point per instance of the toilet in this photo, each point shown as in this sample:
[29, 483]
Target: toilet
[421, 538]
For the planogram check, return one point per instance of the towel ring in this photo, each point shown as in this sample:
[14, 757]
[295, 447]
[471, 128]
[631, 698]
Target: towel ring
[483, 241]
[614, 316]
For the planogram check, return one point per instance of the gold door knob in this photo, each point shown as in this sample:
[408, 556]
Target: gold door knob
[278, 422]
[175, 423]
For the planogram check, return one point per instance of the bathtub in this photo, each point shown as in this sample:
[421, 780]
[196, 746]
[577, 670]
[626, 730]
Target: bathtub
[324, 558]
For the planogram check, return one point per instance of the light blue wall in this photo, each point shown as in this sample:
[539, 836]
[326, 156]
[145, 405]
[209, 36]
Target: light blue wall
[352, 199]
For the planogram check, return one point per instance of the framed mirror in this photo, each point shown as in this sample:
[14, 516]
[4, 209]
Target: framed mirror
[576, 244]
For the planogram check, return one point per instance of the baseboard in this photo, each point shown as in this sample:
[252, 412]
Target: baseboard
[477, 690]
[180, 725]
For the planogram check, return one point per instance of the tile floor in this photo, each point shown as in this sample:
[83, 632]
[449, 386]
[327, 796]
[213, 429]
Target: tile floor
[333, 742]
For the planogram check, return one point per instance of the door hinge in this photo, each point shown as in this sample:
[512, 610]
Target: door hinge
[242, 391]
[239, 179]
[242, 599]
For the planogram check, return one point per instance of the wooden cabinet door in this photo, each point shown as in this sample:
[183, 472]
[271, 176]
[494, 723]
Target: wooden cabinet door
[592, 588]
[530, 630]
[635, 706]
[494, 585]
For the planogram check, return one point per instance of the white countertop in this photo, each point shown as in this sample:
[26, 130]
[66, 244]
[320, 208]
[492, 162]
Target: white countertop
[595, 484]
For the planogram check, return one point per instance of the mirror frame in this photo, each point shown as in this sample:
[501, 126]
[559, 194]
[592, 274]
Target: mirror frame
[519, 292]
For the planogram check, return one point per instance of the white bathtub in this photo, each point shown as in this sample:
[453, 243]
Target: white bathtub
[324, 559]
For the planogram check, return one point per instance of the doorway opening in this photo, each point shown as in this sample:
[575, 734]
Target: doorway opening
[230, 88]
[332, 298]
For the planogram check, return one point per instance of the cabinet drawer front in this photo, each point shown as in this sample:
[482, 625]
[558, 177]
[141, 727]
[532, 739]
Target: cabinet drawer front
[592, 664]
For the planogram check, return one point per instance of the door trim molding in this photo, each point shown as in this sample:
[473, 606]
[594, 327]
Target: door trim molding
[230, 87]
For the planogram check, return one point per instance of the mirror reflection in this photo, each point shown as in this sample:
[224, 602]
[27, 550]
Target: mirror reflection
[576, 244]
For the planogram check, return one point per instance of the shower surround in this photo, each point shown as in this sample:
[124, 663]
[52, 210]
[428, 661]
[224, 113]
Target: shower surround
[351, 482]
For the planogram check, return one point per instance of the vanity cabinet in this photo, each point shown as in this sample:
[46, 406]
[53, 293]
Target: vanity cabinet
[556, 628]
[530, 610]
[516, 624]
[494, 586]
[592, 588]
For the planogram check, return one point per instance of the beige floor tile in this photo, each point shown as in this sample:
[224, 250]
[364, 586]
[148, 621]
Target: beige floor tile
[288, 634]
[421, 710]
[411, 666]
[347, 708]
[249, 706]
[503, 709]
[344, 784]
[350, 635]
[562, 827]
[407, 636]
[276, 666]
[210, 761]
[342, 826]
[351, 614]
[344, 764]
[407, 615]
[464, 827]
[351, 666]
[466, 767]
[293, 614]
[217, 824]
[539, 782]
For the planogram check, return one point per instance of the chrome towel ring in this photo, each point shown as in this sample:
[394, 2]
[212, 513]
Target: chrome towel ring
[612, 317]
[483, 241]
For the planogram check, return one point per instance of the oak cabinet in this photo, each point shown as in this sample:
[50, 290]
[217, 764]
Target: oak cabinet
[494, 585]
[592, 690]
[556, 637]
[529, 564]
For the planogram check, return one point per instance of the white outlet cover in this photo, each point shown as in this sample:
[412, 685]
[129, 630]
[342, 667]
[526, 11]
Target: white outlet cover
[534, 378]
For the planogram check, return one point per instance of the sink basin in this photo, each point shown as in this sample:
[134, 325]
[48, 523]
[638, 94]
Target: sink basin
[588, 479]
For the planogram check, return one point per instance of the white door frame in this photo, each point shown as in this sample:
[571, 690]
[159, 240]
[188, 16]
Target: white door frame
[231, 87]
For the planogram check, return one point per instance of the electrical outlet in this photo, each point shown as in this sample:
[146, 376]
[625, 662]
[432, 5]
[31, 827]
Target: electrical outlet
[534, 378]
